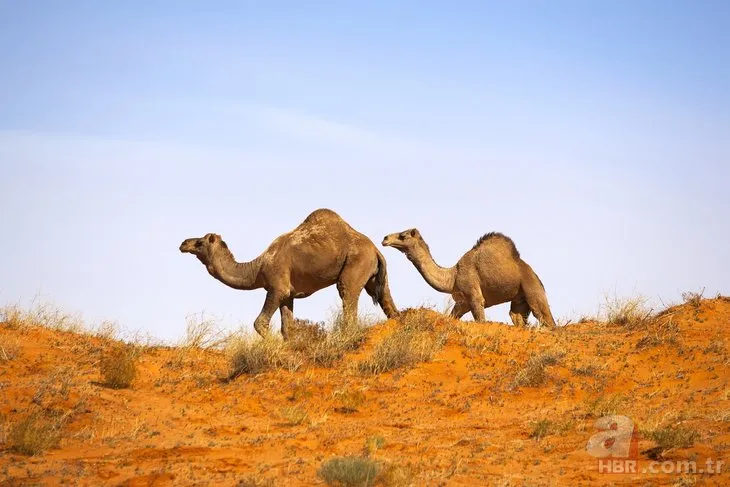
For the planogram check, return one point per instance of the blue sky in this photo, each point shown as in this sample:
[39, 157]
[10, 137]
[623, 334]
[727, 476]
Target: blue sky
[595, 134]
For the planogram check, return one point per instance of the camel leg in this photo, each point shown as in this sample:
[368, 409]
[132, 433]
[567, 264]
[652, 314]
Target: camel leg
[537, 301]
[519, 311]
[386, 302]
[476, 306]
[459, 310]
[350, 284]
[286, 309]
[272, 302]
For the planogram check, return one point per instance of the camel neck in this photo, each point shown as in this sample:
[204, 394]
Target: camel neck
[440, 278]
[238, 275]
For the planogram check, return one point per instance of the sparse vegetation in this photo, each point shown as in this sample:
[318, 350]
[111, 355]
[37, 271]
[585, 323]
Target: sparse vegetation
[54, 375]
[693, 299]
[349, 471]
[203, 333]
[9, 348]
[630, 313]
[604, 405]
[590, 369]
[323, 348]
[533, 374]
[670, 438]
[254, 481]
[414, 341]
[373, 444]
[663, 330]
[34, 434]
[253, 356]
[294, 415]
[119, 367]
[716, 346]
[350, 400]
[541, 429]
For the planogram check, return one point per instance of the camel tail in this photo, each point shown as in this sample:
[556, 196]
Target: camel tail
[381, 295]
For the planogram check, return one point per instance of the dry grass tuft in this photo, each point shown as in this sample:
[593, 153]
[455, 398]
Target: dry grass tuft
[9, 348]
[533, 374]
[630, 313]
[253, 481]
[119, 366]
[693, 299]
[35, 434]
[325, 349]
[294, 415]
[670, 438]
[660, 331]
[202, 333]
[590, 369]
[349, 400]
[349, 471]
[604, 406]
[250, 355]
[43, 314]
[416, 340]
[541, 429]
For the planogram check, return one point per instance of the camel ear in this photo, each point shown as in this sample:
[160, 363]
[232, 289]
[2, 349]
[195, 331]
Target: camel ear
[211, 238]
[414, 232]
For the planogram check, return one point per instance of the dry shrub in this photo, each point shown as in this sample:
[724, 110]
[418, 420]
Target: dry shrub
[294, 415]
[670, 438]
[392, 475]
[304, 333]
[541, 429]
[9, 348]
[203, 333]
[323, 348]
[253, 481]
[415, 340]
[14, 318]
[349, 400]
[254, 356]
[660, 331]
[373, 444]
[44, 314]
[630, 313]
[35, 434]
[590, 369]
[108, 330]
[349, 471]
[533, 374]
[693, 299]
[481, 342]
[119, 366]
[604, 405]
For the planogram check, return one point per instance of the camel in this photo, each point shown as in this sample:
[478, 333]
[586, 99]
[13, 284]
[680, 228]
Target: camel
[321, 251]
[490, 273]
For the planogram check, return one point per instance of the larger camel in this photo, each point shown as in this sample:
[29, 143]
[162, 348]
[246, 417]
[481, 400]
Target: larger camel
[323, 250]
[490, 273]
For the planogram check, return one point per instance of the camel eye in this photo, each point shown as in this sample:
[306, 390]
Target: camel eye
[198, 243]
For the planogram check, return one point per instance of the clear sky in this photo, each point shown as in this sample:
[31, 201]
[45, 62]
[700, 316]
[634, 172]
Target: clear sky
[595, 134]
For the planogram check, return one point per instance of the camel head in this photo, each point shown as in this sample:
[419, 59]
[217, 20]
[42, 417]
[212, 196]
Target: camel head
[204, 248]
[403, 241]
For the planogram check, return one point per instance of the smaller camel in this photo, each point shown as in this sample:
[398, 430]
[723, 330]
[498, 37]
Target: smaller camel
[321, 251]
[490, 273]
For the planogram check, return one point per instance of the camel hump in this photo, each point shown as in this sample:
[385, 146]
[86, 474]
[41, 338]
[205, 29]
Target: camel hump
[496, 237]
[322, 215]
